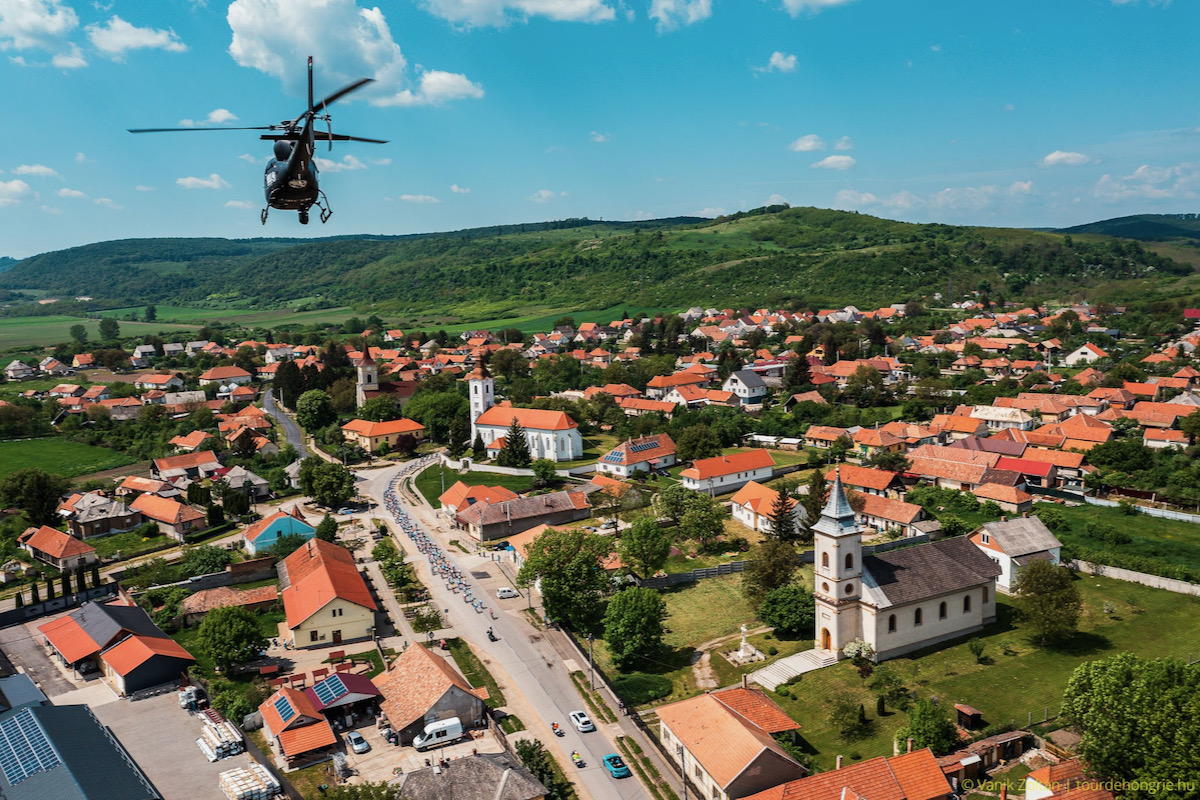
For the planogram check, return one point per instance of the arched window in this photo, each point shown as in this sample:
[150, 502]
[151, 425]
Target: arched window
[942, 611]
[849, 561]
[967, 604]
[825, 560]
[917, 617]
[891, 623]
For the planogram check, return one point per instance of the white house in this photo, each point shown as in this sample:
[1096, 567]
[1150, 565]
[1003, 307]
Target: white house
[900, 600]
[18, 371]
[748, 387]
[727, 473]
[999, 418]
[1084, 354]
[550, 434]
[1013, 543]
[638, 455]
[754, 504]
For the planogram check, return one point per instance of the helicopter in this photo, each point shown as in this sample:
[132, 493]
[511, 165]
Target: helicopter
[290, 180]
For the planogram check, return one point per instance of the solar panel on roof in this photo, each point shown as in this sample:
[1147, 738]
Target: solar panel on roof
[284, 707]
[330, 689]
[637, 448]
[612, 458]
[24, 748]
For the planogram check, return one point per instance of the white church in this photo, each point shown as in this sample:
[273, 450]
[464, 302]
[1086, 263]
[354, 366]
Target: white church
[896, 601]
[551, 434]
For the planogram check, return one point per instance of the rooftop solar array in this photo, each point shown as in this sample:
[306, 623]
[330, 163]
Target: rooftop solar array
[612, 458]
[637, 448]
[24, 748]
[330, 689]
[284, 707]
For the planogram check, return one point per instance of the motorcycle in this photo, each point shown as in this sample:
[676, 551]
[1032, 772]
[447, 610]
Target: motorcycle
[492, 636]
[577, 759]
[557, 730]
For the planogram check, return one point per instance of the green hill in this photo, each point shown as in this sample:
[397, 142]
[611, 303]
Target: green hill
[770, 256]
[1145, 227]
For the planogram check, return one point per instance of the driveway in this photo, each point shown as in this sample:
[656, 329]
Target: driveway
[24, 650]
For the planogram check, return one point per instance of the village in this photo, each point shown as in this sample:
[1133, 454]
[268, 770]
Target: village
[732, 553]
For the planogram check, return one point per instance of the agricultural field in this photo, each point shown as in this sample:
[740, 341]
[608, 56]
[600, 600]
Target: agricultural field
[22, 333]
[249, 317]
[527, 320]
[62, 456]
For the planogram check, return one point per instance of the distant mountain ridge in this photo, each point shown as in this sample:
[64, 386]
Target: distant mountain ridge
[768, 256]
[1144, 227]
[7, 263]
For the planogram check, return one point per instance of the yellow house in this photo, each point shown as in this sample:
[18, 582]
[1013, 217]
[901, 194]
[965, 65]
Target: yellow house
[326, 600]
[370, 435]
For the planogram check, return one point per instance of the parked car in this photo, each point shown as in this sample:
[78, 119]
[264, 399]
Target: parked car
[346, 511]
[581, 721]
[616, 766]
[507, 593]
[357, 743]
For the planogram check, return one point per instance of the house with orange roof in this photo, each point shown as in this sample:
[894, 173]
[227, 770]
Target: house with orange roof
[1063, 781]
[754, 506]
[658, 386]
[191, 442]
[689, 396]
[461, 495]
[325, 599]
[1086, 353]
[174, 519]
[647, 454]
[638, 406]
[823, 437]
[868, 480]
[888, 514]
[727, 473]
[1164, 438]
[159, 381]
[420, 686]
[191, 465]
[1009, 498]
[723, 742]
[869, 442]
[910, 776]
[58, 549]
[370, 436]
[261, 536]
[196, 606]
[296, 728]
[225, 376]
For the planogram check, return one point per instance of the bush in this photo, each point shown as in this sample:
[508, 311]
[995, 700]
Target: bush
[639, 688]
[1052, 518]
[1106, 533]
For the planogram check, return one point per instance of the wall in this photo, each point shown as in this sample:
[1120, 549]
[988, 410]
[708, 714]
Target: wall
[17, 616]
[1171, 585]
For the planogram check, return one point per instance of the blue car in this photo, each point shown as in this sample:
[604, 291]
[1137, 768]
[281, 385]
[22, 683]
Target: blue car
[616, 766]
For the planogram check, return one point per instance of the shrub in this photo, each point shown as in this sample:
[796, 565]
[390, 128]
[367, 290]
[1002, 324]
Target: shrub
[1052, 518]
[772, 650]
[639, 688]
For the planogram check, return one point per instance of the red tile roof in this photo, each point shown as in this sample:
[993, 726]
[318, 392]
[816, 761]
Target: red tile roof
[318, 572]
[758, 498]
[528, 418]
[367, 428]
[705, 468]
[223, 373]
[54, 543]
[912, 776]
[461, 494]
[70, 639]
[866, 477]
[163, 509]
[133, 651]
[416, 680]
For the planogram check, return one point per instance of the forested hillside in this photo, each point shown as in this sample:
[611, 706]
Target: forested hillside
[768, 256]
[1146, 227]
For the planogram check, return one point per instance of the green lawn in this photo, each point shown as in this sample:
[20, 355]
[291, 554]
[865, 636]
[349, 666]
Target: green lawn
[29, 332]
[529, 319]
[594, 446]
[62, 456]
[1168, 540]
[250, 317]
[128, 544]
[429, 482]
[1029, 680]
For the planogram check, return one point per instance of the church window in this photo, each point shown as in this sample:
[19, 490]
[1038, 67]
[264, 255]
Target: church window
[849, 588]
[476, 388]
[849, 561]
[942, 611]
[825, 588]
[825, 560]
[891, 623]
[917, 617]
[967, 604]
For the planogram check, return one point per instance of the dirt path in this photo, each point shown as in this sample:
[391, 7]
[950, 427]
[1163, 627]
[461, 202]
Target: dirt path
[702, 668]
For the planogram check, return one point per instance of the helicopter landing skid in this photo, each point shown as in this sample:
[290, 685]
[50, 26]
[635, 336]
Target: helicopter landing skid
[323, 204]
[264, 215]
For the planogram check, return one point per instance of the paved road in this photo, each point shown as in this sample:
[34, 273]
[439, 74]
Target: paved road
[291, 431]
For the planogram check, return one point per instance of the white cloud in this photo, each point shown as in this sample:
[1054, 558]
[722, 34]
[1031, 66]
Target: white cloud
[776, 200]
[40, 25]
[213, 181]
[241, 204]
[36, 170]
[545, 195]
[844, 143]
[348, 164]
[850, 199]
[903, 201]
[1180, 182]
[1064, 158]
[970, 198]
[672, 14]
[117, 37]
[797, 7]
[346, 42]
[419, 198]
[15, 192]
[218, 116]
[253, 159]
[142, 188]
[711, 212]
[807, 143]
[840, 163]
[1017, 188]
[598, 137]
[454, 187]
[107, 202]
[70, 193]
[779, 62]
[501, 12]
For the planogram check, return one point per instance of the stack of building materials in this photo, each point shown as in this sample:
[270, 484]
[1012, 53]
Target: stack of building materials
[220, 739]
[249, 783]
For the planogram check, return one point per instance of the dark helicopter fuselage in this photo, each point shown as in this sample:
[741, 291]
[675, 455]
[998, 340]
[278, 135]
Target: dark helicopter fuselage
[290, 179]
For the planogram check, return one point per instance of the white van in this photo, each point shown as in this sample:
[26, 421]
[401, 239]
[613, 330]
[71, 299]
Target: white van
[439, 733]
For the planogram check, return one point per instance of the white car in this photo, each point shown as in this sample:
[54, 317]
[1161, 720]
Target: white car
[507, 593]
[357, 743]
[581, 721]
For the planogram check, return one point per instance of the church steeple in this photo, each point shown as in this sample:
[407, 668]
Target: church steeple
[837, 551]
[837, 518]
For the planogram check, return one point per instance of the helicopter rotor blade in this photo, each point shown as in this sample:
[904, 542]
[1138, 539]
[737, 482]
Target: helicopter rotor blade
[340, 93]
[177, 130]
[341, 137]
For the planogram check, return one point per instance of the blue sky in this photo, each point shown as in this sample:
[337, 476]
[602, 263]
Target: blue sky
[500, 111]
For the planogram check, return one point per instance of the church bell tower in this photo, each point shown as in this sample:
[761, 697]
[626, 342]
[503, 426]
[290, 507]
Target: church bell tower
[837, 572]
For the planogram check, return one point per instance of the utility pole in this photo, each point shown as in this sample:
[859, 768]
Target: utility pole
[591, 663]
[682, 769]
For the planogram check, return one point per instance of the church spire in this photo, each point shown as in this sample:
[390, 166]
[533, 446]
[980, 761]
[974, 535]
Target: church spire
[837, 518]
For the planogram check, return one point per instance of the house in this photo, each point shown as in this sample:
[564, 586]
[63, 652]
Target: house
[461, 495]
[192, 465]
[1009, 498]
[910, 776]
[174, 519]
[370, 436]
[135, 485]
[951, 467]
[869, 442]
[1013, 543]
[867, 480]
[261, 536]
[190, 443]
[486, 522]
[727, 473]
[18, 371]
[1041, 474]
[638, 406]
[342, 693]
[747, 386]
[754, 506]
[886, 514]
[896, 601]
[980, 757]
[295, 727]
[646, 454]
[481, 776]
[162, 382]
[1164, 438]
[998, 417]
[550, 434]
[93, 514]
[722, 741]
[195, 606]
[131, 651]
[225, 376]
[660, 385]
[325, 599]
[421, 687]
[804, 397]
[823, 437]
[59, 550]
[1087, 353]
[1064, 781]
[243, 480]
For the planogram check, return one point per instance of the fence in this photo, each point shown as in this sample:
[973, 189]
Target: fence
[676, 578]
[1150, 511]
[17, 616]
[1128, 575]
[469, 465]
